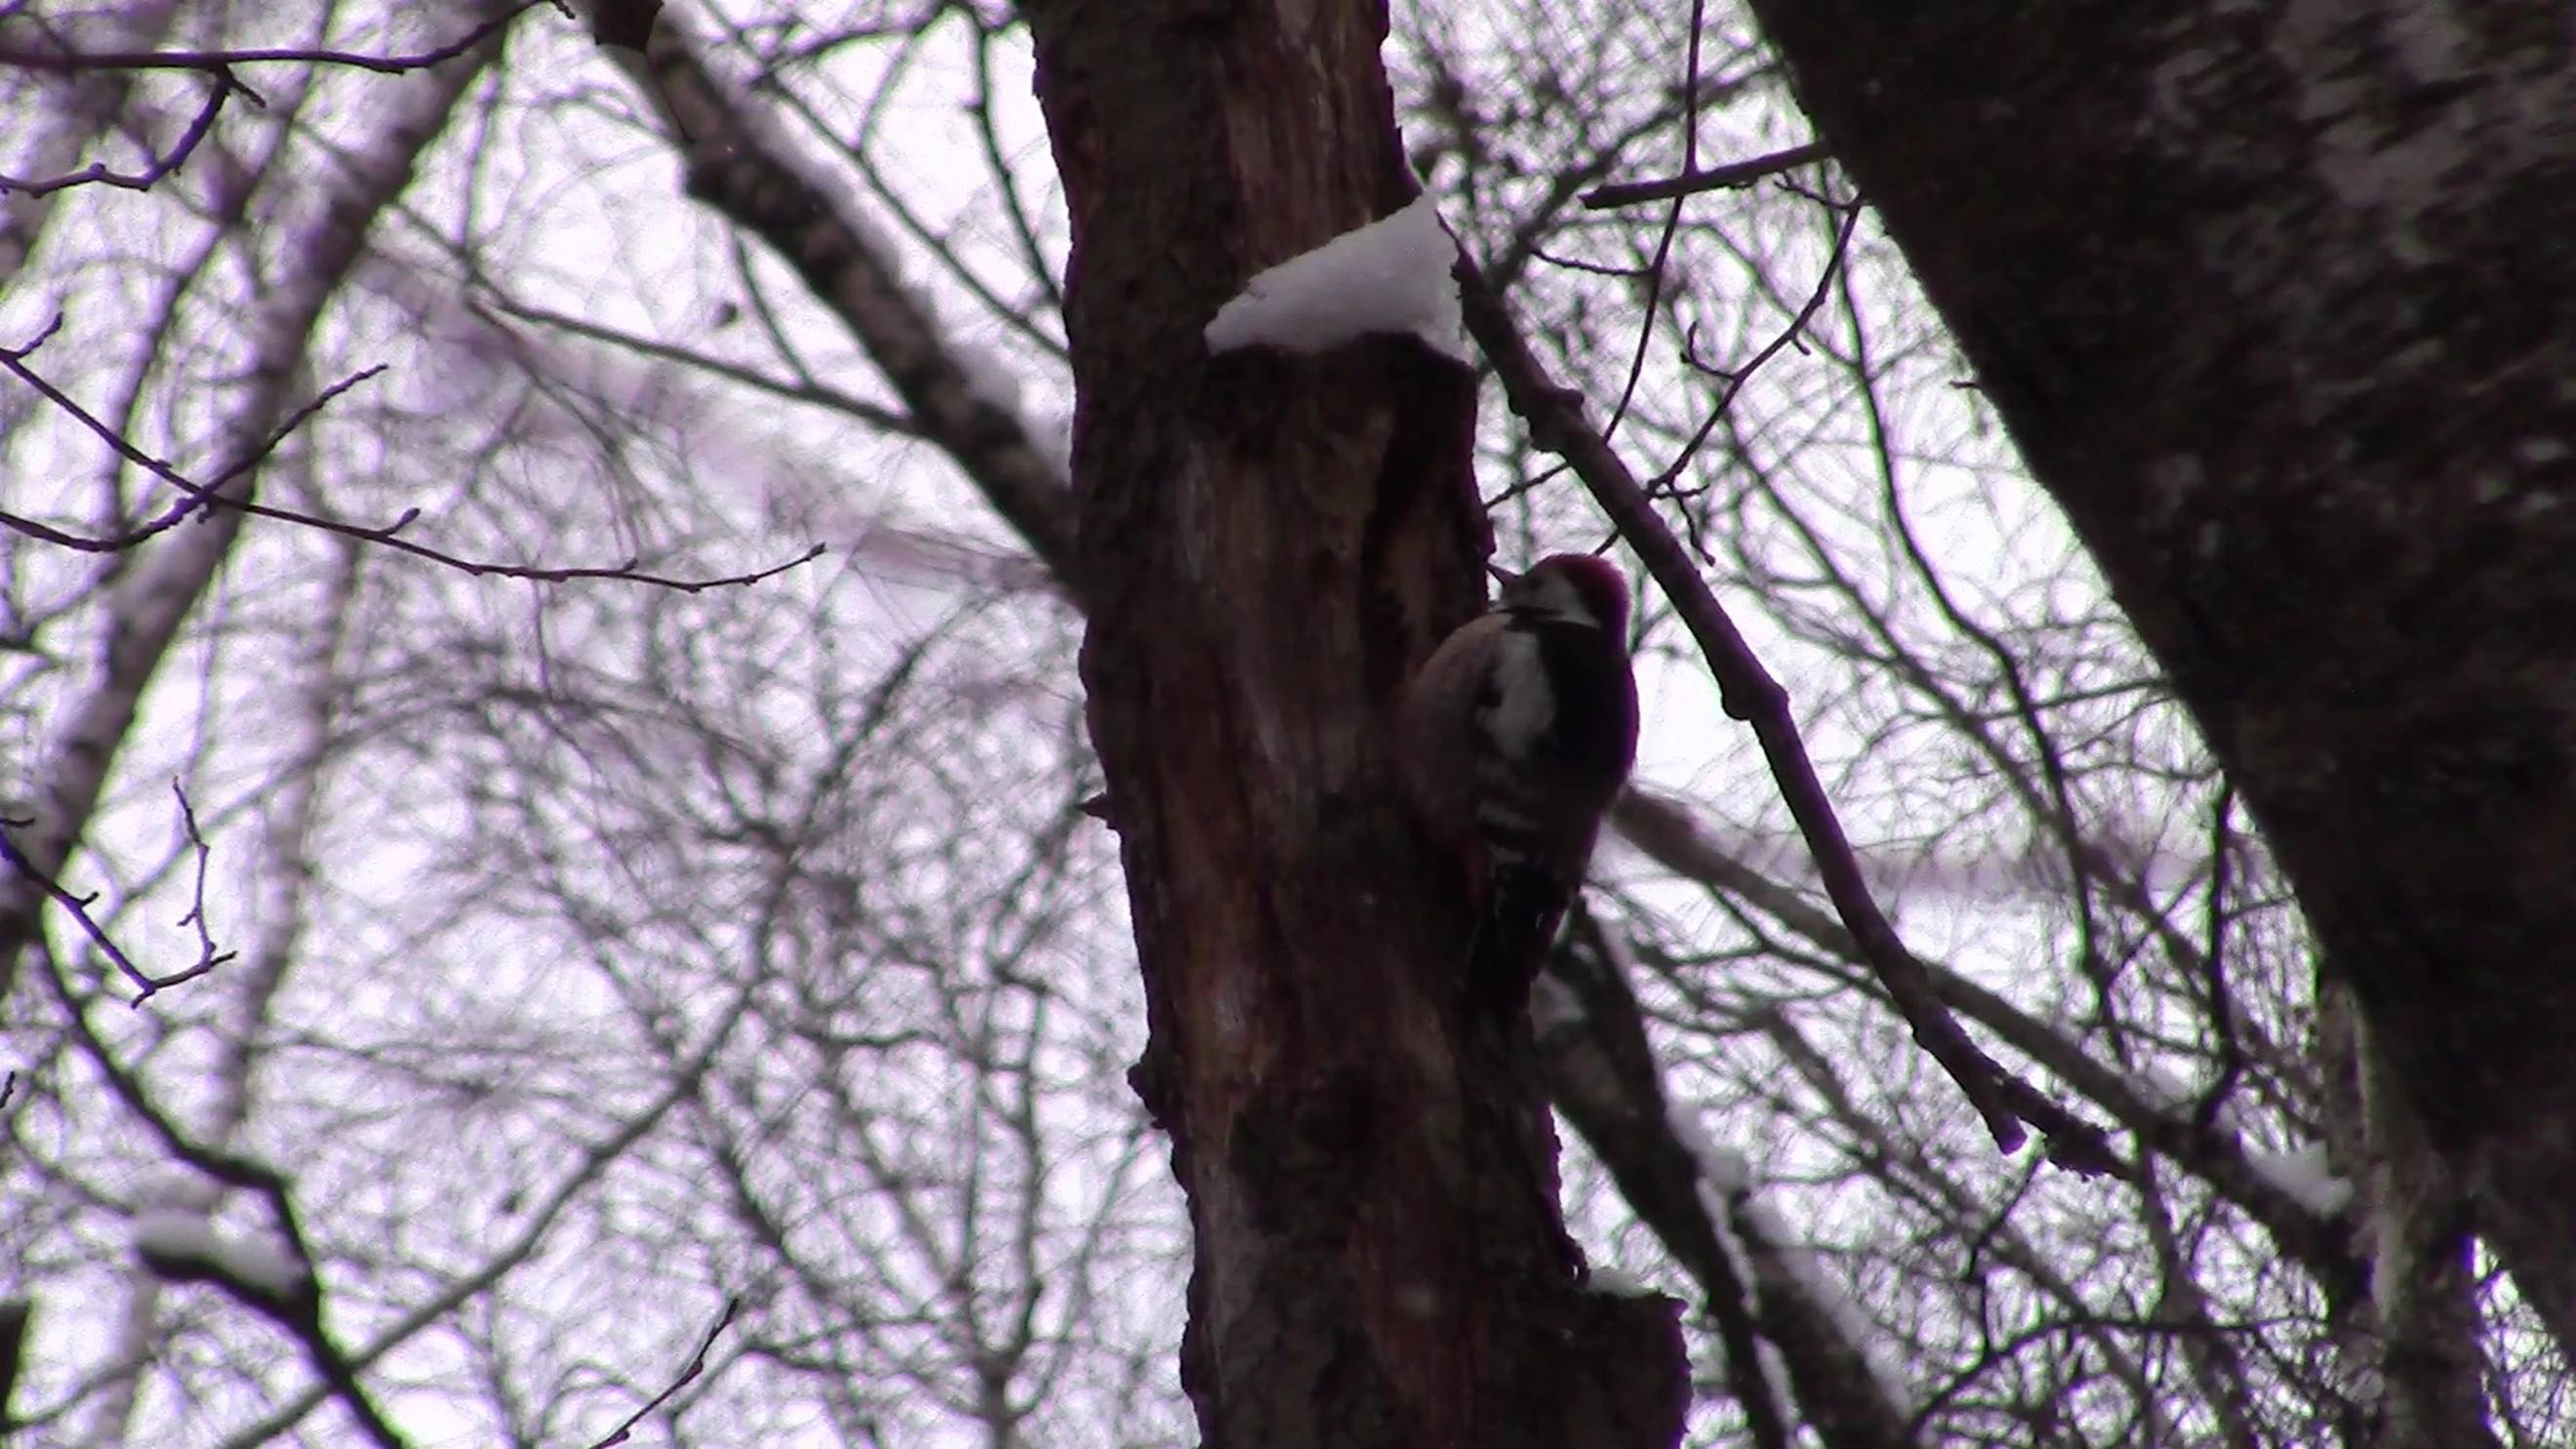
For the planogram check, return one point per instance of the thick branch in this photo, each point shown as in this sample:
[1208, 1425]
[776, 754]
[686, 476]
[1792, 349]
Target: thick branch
[1601, 1073]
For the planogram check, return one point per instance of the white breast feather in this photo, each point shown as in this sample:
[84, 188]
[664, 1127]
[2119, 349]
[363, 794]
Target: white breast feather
[1523, 704]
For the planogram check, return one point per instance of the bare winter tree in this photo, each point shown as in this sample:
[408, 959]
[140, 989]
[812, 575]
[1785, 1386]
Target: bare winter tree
[604, 970]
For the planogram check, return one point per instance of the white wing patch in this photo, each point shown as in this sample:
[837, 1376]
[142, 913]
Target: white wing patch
[1524, 706]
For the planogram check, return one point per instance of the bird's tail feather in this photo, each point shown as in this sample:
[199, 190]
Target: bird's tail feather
[1522, 911]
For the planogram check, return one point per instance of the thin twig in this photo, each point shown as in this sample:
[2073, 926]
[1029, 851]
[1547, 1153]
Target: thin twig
[215, 62]
[157, 164]
[201, 496]
[145, 983]
[1671, 228]
[1716, 178]
[1736, 378]
[697, 1366]
[206, 957]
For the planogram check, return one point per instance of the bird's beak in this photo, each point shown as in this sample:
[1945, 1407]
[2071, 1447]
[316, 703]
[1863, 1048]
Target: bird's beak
[1503, 577]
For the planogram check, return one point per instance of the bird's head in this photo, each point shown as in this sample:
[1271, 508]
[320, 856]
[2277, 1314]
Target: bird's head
[1573, 588]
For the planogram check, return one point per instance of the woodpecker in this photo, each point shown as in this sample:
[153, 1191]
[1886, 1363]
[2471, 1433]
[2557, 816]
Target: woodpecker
[1515, 736]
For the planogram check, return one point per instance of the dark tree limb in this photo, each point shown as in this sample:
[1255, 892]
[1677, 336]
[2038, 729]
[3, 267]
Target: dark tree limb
[736, 163]
[297, 1309]
[1715, 178]
[2280, 313]
[1601, 1072]
[1556, 422]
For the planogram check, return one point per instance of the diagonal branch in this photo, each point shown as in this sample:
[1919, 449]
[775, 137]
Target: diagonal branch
[297, 1308]
[218, 63]
[196, 498]
[1667, 835]
[155, 597]
[1600, 1072]
[1715, 178]
[697, 1365]
[737, 163]
[1554, 413]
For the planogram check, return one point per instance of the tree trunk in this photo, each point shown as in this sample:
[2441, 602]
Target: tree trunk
[2278, 302]
[1267, 546]
[2408, 1354]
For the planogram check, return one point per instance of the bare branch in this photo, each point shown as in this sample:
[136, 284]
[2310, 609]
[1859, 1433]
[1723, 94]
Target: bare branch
[211, 495]
[1555, 417]
[1715, 178]
[697, 1366]
[77, 906]
[740, 167]
[158, 164]
[298, 1311]
[1735, 378]
[218, 63]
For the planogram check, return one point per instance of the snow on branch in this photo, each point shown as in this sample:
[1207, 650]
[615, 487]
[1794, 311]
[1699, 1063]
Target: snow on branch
[2303, 1174]
[1392, 275]
[185, 1246]
[1807, 1313]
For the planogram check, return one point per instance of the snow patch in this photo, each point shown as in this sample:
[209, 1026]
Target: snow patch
[1716, 1202]
[1617, 1282]
[1392, 275]
[1823, 1289]
[2164, 1090]
[1722, 1168]
[2303, 1174]
[176, 1238]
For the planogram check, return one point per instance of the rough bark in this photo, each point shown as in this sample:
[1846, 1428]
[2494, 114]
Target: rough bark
[2277, 301]
[1268, 544]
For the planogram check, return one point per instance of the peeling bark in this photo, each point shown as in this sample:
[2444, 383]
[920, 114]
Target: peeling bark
[1267, 545]
[2276, 301]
